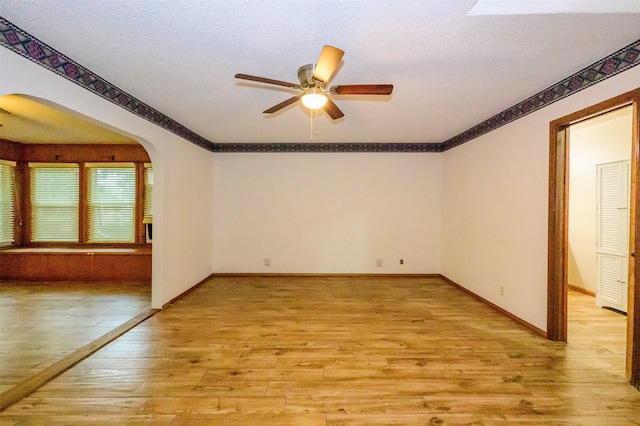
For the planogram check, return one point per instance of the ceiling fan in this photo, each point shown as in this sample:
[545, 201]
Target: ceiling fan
[313, 79]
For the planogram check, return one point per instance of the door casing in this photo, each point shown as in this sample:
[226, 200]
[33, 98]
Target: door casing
[558, 228]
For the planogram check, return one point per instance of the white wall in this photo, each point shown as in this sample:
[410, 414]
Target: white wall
[494, 209]
[602, 139]
[182, 247]
[327, 213]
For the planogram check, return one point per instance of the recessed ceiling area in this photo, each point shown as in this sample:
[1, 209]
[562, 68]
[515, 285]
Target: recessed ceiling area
[539, 7]
[26, 120]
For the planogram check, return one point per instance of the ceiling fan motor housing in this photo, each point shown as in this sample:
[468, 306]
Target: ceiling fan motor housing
[305, 75]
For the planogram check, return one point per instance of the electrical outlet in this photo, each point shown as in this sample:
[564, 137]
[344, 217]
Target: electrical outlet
[267, 261]
[378, 262]
[402, 261]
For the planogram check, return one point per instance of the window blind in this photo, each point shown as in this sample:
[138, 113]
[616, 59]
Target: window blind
[148, 194]
[7, 200]
[111, 203]
[54, 202]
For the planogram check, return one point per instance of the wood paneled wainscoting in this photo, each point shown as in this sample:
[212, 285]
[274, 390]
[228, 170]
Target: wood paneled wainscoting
[132, 264]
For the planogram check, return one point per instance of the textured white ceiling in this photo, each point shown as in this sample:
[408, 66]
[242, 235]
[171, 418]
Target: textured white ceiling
[450, 71]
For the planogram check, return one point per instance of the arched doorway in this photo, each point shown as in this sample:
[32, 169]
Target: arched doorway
[69, 293]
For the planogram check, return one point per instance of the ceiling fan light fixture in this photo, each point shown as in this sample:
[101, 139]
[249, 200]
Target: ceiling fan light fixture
[313, 79]
[314, 98]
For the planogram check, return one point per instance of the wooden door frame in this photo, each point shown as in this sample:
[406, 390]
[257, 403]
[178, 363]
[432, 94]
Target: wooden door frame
[558, 227]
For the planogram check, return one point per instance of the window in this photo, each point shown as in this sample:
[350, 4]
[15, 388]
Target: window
[111, 201]
[69, 195]
[148, 202]
[148, 193]
[54, 202]
[7, 218]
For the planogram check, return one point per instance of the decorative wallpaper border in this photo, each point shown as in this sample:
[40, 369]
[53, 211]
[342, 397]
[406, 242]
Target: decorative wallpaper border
[24, 44]
[328, 147]
[617, 62]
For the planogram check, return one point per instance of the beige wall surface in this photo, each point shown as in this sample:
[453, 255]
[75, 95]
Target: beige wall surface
[495, 206]
[327, 213]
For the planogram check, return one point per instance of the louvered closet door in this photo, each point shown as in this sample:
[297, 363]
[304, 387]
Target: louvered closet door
[612, 238]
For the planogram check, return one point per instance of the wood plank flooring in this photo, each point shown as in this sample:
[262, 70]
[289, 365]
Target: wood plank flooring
[343, 351]
[41, 323]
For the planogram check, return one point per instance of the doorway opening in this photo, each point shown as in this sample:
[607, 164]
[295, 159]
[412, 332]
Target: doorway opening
[76, 258]
[598, 235]
[557, 299]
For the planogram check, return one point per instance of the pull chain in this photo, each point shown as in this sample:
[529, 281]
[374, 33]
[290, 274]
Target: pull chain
[314, 116]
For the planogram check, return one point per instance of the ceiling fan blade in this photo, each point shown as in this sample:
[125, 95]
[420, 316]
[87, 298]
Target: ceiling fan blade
[281, 105]
[267, 80]
[363, 89]
[332, 109]
[327, 62]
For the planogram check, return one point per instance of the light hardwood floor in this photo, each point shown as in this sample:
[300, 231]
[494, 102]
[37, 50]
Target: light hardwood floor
[343, 351]
[41, 323]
